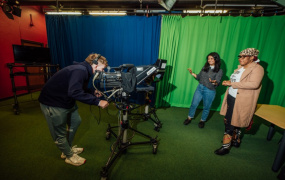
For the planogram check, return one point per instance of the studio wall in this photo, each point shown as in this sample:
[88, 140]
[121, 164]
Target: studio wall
[11, 32]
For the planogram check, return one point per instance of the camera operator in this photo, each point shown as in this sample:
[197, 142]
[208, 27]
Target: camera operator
[57, 101]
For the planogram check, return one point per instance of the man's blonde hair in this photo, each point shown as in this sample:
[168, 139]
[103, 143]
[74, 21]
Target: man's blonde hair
[103, 60]
[92, 57]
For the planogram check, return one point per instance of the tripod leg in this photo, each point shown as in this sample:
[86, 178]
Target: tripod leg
[121, 143]
[157, 122]
[154, 146]
[146, 112]
[110, 131]
[125, 125]
[152, 141]
[112, 158]
[147, 115]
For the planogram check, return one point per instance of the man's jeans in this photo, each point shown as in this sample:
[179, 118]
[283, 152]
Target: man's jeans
[208, 97]
[62, 124]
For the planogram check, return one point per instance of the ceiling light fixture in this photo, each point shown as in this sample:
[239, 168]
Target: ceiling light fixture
[64, 13]
[106, 13]
[240, 5]
[206, 11]
[150, 11]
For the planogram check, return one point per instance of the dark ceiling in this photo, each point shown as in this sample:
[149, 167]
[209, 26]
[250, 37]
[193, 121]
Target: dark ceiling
[250, 7]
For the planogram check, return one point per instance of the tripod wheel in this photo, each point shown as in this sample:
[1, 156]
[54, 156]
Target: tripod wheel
[157, 129]
[154, 148]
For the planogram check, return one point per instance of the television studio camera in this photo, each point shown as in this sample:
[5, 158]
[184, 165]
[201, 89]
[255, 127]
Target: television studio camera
[118, 86]
[127, 81]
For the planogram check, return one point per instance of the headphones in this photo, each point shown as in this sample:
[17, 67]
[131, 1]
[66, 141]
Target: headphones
[95, 61]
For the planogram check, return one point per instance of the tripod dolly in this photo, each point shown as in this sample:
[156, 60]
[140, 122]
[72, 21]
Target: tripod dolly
[122, 142]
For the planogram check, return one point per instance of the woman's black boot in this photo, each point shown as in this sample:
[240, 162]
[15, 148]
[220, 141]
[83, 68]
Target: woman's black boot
[225, 149]
[222, 151]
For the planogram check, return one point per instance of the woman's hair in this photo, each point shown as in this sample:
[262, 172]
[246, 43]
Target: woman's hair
[217, 59]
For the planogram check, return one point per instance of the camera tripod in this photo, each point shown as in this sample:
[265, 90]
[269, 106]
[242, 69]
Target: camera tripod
[122, 142]
[148, 110]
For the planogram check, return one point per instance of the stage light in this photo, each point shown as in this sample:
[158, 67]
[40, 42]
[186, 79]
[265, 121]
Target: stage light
[167, 4]
[11, 6]
[17, 11]
[6, 8]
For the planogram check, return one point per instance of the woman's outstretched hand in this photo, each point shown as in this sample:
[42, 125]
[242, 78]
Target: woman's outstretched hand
[191, 72]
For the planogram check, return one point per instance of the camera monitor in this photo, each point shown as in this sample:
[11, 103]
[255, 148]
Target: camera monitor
[161, 64]
[158, 69]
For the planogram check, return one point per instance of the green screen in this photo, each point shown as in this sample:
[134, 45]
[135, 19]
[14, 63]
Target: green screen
[186, 42]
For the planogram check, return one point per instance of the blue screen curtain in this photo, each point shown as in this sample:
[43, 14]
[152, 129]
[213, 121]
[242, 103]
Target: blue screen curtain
[122, 40]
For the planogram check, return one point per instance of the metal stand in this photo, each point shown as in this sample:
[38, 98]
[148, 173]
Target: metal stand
[148, 112]
[122, 142]
[47, 73]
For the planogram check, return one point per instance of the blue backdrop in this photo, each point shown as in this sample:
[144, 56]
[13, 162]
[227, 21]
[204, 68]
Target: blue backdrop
[122, 40]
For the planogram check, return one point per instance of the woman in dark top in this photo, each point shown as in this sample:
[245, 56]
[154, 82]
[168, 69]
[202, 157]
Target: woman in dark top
[209, 78]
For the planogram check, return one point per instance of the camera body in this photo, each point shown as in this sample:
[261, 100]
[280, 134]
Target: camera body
[128, 76]
[110, 80]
